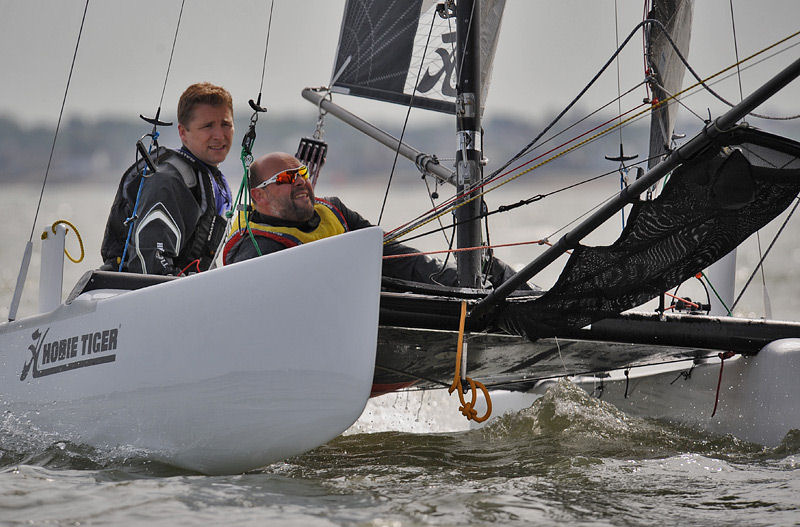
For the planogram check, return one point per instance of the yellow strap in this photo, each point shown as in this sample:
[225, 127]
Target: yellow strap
[80, 241]
[467, 409]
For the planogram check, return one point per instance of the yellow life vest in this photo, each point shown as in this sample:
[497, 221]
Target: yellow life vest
[331, 223]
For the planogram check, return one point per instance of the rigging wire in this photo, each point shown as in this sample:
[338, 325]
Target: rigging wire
[736, 51]
[171, 53]
[619, 82]
[699, 88]
[266, 48]
[394, 235]
[528, 201]
[242, 201]
[130, 222]
[623, 172]
[529, 146]
[741, 96]
[701, 82]
[408, 114]
[764, 257]
[58, 124]
[486, 181]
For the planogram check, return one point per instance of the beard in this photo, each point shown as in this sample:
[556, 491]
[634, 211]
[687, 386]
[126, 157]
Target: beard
[299, 210]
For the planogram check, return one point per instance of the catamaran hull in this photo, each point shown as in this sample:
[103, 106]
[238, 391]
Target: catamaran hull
[287, 368]
[758, 392]
[756, 401]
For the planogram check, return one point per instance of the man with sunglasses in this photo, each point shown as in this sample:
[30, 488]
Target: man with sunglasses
[171, 221]
[286, 214]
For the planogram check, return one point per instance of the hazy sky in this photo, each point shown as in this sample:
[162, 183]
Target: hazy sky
[548, 50]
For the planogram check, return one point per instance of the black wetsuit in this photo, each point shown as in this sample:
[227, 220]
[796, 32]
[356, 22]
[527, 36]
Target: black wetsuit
[177, 220]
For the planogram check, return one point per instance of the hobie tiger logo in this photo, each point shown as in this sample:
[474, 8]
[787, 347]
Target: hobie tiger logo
[49, 356]
[441, 68]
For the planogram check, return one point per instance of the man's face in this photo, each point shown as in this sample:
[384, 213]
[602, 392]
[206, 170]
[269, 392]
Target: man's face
[209, 133]
[292, 202]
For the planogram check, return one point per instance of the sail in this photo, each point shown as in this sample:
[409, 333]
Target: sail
[666, 68]
[710, 205]
[382, 42]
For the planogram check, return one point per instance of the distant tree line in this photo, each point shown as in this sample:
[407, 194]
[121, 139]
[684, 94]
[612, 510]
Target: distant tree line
[99, 150]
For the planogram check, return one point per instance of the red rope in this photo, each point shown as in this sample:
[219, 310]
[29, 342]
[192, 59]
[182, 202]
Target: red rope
[722, 357]
[194, 262]
[462, 249]
[452, 200]
[683, 300]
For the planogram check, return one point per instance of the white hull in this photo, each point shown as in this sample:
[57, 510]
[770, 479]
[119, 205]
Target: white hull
[757, 400]
[218, 372]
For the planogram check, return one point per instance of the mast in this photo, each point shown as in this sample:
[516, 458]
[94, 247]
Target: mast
[470, 144]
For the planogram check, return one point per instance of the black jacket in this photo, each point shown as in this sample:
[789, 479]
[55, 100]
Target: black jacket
[176, 221]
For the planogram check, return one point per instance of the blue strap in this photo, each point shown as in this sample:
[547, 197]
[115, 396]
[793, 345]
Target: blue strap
[130, 220]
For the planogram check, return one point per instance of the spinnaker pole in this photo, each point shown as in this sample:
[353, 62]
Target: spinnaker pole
[631, 193]
[425, 162]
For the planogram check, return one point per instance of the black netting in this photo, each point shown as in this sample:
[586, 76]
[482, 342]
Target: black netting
[709, 205]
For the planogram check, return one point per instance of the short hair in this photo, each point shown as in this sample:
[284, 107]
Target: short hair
[202, 93]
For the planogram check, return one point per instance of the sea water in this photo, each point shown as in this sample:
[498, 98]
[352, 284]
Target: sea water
[567, 459]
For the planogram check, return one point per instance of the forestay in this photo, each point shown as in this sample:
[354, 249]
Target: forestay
[382, 43]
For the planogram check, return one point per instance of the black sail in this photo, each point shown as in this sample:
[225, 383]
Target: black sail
[381, 44]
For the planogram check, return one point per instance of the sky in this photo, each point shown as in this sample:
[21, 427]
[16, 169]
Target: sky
[547, 51]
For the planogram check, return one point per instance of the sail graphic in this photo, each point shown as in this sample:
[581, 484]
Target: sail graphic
[381, 48]
[666, 68]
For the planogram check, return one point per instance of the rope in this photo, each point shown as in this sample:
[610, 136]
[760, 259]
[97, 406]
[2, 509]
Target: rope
[58, 125]
[463, 249]
[193, 262]
[242, 202]
[467, 409]
[393, 235]
[722, 357]
[80, 240]
[701, 274]
[523, 202]
[701, 82]
[509, 180]
[687, 302]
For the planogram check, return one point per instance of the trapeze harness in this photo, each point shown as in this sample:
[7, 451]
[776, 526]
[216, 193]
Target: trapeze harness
[210, 227]
[331, 223]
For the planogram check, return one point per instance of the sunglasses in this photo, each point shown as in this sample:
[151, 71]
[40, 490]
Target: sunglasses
[285, 176]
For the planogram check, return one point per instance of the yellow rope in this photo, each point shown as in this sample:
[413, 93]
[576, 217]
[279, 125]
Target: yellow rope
[593, 137]
[80, 241]
[467, 409]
